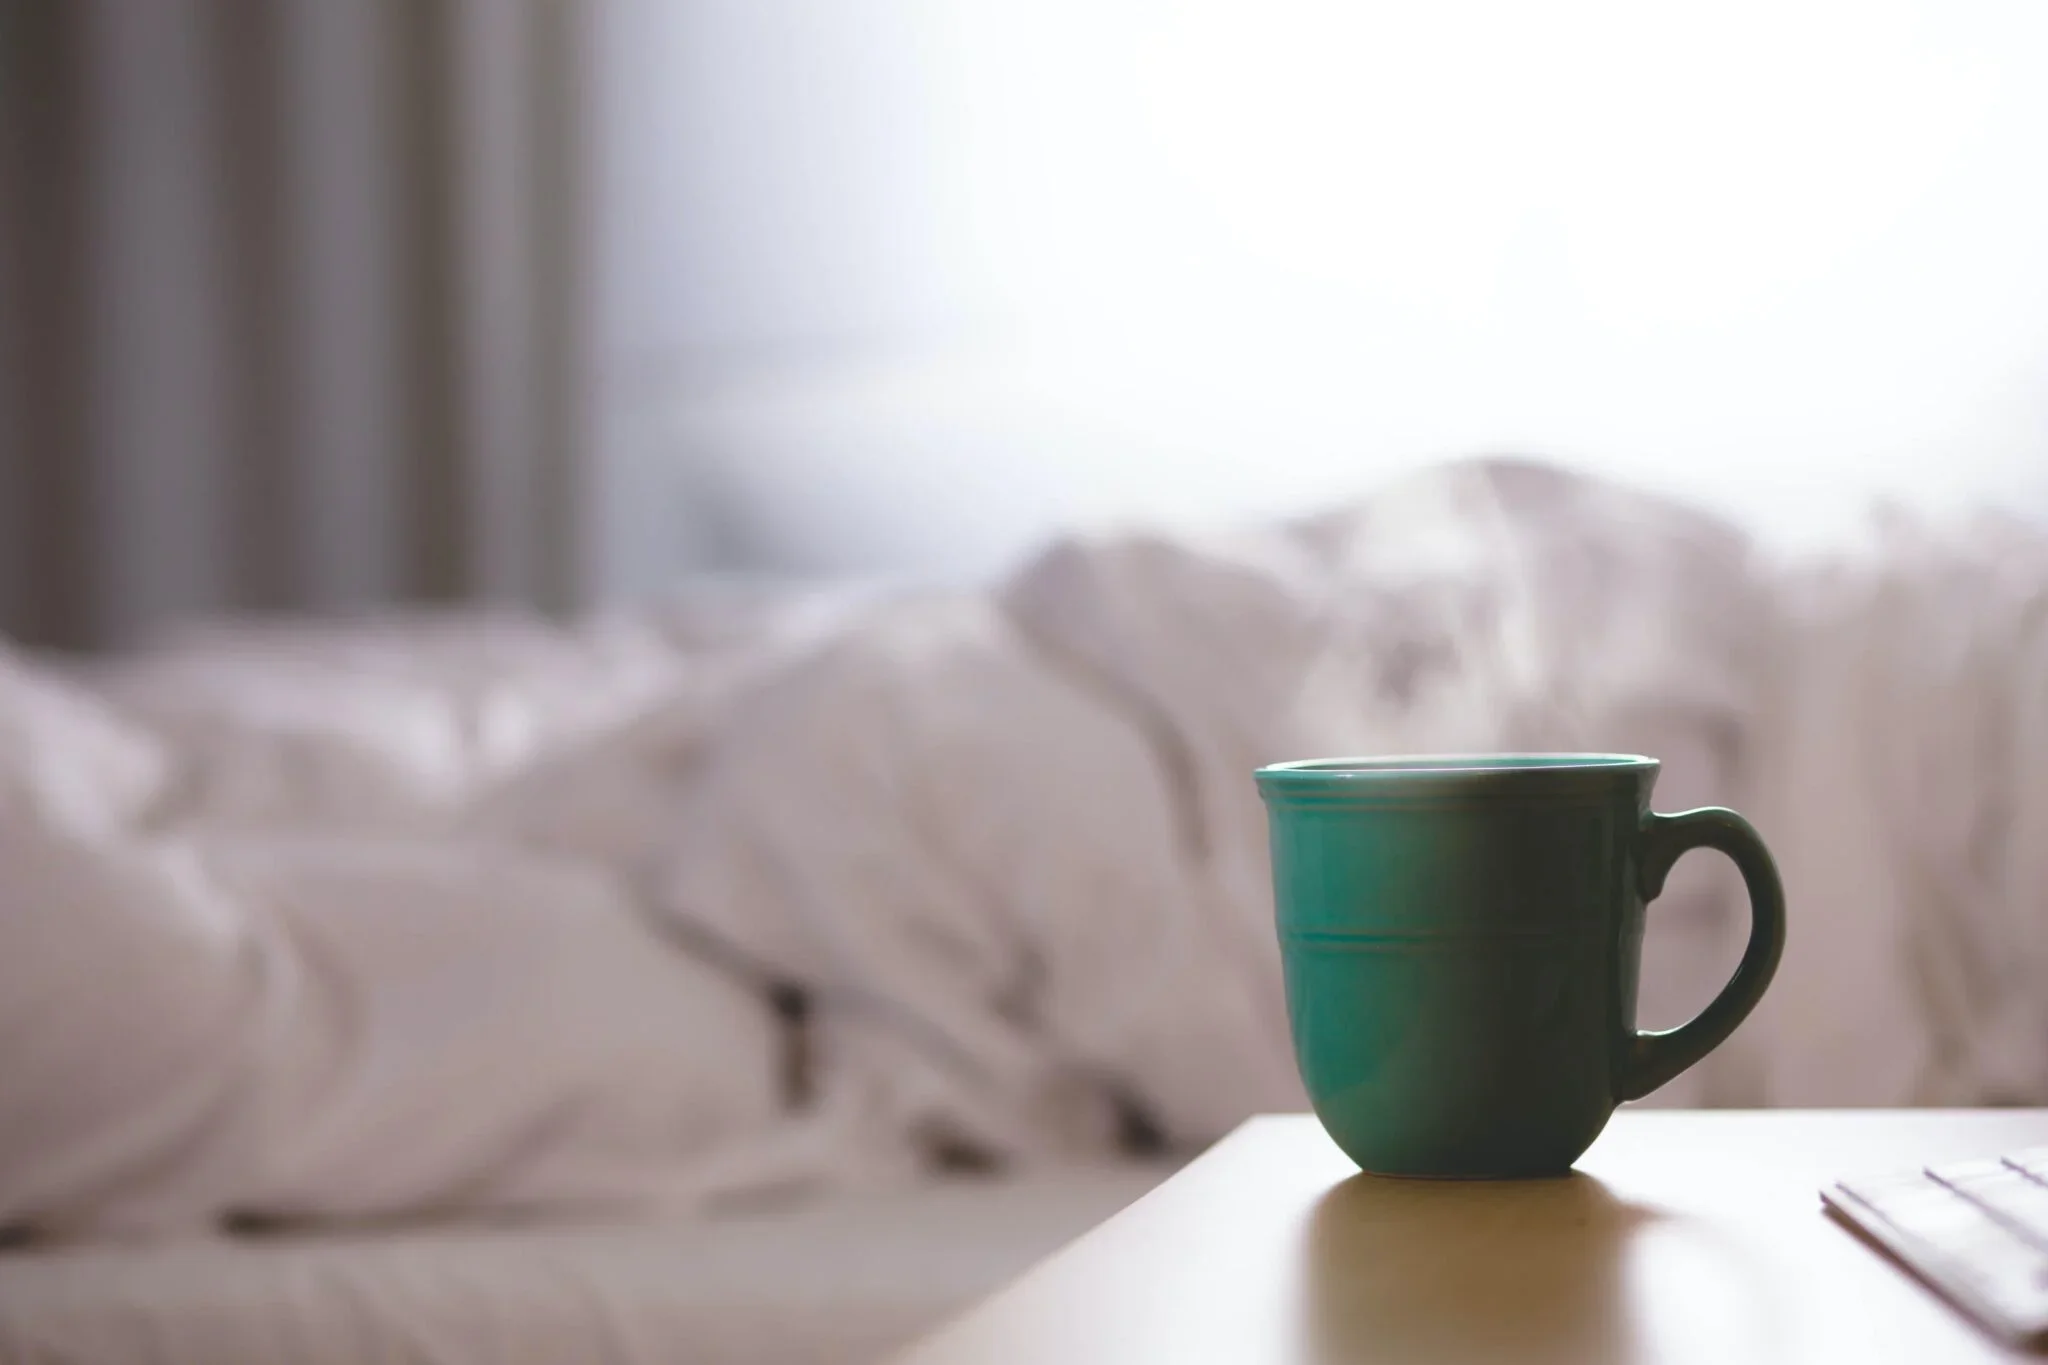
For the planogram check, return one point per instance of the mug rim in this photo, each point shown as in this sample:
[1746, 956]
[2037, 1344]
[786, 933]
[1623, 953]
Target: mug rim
[1373, 768]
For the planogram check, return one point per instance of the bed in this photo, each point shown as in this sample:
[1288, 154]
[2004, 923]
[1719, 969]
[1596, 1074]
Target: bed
[642, 920]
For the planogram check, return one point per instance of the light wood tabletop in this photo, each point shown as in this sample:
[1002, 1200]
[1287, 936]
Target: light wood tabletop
[1683, 1237]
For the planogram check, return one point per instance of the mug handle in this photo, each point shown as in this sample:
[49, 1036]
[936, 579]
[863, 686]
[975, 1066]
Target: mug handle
[1654, 1058]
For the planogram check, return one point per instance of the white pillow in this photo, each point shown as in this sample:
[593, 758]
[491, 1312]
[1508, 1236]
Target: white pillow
[386, 724]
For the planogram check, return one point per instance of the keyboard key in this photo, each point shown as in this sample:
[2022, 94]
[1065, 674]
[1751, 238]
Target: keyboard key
[1981, 1263]
[2003, 1191]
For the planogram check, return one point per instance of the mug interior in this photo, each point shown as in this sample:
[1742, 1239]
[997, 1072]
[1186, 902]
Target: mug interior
[1417, 764]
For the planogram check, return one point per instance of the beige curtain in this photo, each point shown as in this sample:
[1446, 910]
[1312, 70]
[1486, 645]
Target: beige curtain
[291, 308]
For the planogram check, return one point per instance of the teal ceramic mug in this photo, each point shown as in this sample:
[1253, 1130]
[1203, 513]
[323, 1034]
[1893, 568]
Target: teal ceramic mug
[1461, 938]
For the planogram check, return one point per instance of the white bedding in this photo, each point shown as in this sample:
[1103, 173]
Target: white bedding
[840, 1281]
[412, 917]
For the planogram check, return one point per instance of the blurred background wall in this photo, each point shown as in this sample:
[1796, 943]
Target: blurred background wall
[327, 303]
[919, 279]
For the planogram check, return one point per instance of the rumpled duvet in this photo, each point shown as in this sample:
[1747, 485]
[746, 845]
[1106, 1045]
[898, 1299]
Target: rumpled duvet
[722, 896]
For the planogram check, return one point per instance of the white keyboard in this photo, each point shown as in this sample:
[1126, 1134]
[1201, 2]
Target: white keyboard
[1976, 1230]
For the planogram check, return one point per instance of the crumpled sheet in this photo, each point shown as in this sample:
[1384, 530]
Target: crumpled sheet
[1902, 773]
[719, 896]
[273, 949]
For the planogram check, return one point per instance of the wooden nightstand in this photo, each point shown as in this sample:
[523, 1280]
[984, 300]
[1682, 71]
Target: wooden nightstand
[1685, 1236]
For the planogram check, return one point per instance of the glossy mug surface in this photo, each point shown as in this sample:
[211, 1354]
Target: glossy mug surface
[1461, 938]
